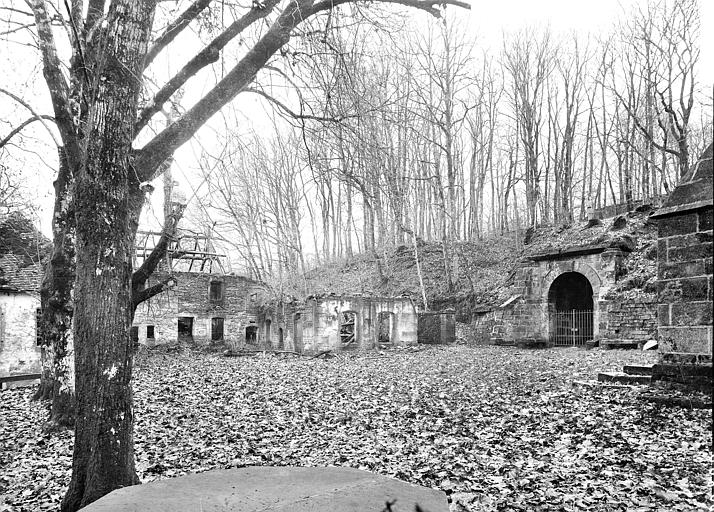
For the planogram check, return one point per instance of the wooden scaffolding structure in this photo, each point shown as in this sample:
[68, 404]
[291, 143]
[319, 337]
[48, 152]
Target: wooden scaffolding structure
[187, 252]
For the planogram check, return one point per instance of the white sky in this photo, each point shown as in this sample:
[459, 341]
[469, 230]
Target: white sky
[489, 19]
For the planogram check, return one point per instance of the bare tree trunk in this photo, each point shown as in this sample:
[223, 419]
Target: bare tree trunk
[108, 202]
[57, 380]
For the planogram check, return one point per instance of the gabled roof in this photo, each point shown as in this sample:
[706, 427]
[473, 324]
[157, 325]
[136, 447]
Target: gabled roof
[22, 249]
[695, 189]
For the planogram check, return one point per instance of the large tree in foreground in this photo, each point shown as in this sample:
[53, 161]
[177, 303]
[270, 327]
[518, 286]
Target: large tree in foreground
[99, 114]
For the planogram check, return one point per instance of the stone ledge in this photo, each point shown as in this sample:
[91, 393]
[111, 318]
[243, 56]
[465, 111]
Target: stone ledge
[273, 489]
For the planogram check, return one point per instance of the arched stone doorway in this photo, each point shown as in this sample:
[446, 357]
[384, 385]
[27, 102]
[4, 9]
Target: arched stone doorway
[571, 309]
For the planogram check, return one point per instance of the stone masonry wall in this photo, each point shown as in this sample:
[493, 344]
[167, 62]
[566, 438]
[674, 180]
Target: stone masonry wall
[238, 308]
[685, 285]
[318, 324]
[628, 320]
[19, 353]
[527, 316]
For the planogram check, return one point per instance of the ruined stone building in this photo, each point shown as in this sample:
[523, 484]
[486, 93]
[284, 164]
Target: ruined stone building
[21, 251]
[685, 284]
[207, 305]
[203, 304]
[339, 322]
[578, 286]
[201, 307]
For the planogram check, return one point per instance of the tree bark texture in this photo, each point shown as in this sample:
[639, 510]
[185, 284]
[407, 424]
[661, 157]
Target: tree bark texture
[57, 382]
[107, 205]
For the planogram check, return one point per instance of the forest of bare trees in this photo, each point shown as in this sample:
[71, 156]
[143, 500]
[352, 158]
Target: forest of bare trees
[442, 140]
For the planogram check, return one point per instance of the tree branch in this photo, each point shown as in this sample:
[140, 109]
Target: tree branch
[292, 114]
[175, 29]
[59, 91]
[148, 159]
[144, 295]
[139, 277]
[19, 128]
[208, 55]
[36, 115]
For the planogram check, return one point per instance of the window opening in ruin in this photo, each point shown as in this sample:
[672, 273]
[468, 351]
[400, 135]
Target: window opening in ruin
[185, 328]
[348, 328]
[149, 332]
[268, 325]
[217, 329]
[281, 341]
[134, 334]
[570, 303]
[38, 322]
[215, 291]
[251, 334]
[385, 322]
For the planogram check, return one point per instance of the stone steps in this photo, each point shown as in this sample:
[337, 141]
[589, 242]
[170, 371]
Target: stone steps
[626, 344]
[638, 369]
[623, 378]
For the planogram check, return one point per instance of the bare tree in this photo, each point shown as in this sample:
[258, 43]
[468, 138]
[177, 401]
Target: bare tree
[99, 115]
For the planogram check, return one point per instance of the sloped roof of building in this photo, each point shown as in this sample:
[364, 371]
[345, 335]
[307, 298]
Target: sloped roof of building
[22, 251]
[695, 189]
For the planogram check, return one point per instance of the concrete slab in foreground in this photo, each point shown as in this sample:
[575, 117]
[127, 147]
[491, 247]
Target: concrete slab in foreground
[273, 489]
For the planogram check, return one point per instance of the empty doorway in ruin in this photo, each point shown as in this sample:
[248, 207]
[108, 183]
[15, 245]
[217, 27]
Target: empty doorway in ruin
[570, 307]
[268, 334]
[385, 327]
[298, 332]
[185, 328]
[251, 334]
[217, 329]
[281, 342]
[348, 329]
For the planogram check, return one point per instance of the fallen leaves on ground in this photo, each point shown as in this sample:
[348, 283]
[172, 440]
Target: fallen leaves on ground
[496, 428]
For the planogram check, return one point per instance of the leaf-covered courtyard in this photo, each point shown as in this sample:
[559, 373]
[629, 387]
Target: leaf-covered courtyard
[497, 428]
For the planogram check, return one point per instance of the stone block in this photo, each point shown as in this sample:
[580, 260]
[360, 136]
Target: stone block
[686, 340]
[690, 253]
[691, 313]
[273, 489]
[669, 270]
[623, 378]
[678, 290]
[705, 219]
[662, 249]
[694, 374]
[663, 314]
[690, 240]
[677, 225]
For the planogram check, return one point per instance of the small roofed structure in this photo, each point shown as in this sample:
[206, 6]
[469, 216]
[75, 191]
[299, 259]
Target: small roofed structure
[684, 278]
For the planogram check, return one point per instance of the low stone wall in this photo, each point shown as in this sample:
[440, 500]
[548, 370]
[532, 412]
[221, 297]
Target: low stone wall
[631, 320]
[437, 328]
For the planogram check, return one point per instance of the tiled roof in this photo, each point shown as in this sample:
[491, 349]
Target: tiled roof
[16, 278]
[22, 249]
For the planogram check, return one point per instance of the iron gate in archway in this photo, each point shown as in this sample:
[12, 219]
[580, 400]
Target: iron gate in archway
[571, 328]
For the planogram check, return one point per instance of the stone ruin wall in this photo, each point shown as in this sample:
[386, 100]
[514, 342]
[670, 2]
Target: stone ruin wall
[190, 298]
[19, 353]
[320, 320]
[528, 316]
